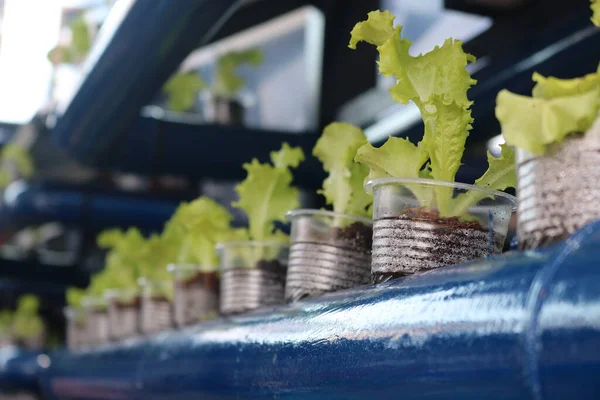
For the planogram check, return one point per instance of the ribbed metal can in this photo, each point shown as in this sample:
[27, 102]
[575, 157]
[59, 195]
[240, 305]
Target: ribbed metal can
[245, 289]
[559, 192]
[123, 317]
[252, 275]
[96, 332]
[329, 252]
[156, 314]
[195, 294]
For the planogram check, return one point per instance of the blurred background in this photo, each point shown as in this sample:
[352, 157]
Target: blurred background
[114, 111]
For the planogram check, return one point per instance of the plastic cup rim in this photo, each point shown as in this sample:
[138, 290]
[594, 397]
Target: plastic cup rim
[371, 184]
[250, 243]
[293, 214]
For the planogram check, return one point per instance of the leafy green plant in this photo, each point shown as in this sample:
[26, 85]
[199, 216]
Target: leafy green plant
[195, 229]
[20, 158]
[556, 109]
[596, 12]
[182, 88]
[343, 187]
[6, 318]
[265, 196]
[437, 83]
[227, 81]
[81, 43]
[26, 321]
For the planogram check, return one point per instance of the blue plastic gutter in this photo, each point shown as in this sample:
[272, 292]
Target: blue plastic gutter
[525, 325]
[19, 369]
[141, 46]
[28, 203]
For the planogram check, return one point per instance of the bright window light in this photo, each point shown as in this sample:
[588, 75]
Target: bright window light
[30, 30]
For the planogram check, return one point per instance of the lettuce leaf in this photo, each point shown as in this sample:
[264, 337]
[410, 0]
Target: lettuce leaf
[397, 157]
[266, 194]
[440, 72]
[595, 6]
[342, 188]
[181, 91]
[535, 123]
[75, 296]
[500, 175]
[6, 318]
[227, 80]
[26, 321]
[194, 230]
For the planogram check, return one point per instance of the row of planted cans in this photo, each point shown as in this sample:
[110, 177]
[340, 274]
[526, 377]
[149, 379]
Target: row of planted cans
[328, 252]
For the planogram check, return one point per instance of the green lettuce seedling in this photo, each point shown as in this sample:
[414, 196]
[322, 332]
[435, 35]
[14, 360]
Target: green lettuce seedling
[26, 321]
[194, 230]
[437, 83]
[596, 12]
[5, 324]
[557, 108]
[265, 196]
[81, 43]
[227, 81]
[181, 90]
[343, 187]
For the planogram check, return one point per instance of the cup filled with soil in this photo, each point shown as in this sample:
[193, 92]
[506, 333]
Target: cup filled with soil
[156, 308]
[252, 275]
[559, 192]
[123, 313]
[422, 224]
[195, 294]
[76, 327]
[329, 251]
[96, 315]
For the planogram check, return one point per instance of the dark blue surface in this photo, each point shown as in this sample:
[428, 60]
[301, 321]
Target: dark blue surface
[19, 370]
[146, 46]
[35, 203]
[525, 325]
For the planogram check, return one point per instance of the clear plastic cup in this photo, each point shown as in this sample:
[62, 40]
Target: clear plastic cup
[252, 275]
[195, 293]
[422, 224]
[156, 307]
[76, 327]
[123, 313]
[329, 252]
[96, 314]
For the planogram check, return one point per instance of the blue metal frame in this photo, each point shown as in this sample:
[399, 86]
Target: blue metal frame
[146, 46]
[524, 325]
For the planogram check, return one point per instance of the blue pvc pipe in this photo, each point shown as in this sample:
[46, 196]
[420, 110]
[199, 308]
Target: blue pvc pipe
[34, 203]
[19, 370]
[524, 325]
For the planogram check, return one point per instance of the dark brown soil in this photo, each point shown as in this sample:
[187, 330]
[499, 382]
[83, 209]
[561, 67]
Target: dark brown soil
[358, 236]
[451, 240]
[433, 216]
[272, 266]
[133, 303]
[209, 280]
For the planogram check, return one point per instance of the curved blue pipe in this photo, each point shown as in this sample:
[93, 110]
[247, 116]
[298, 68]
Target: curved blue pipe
[525, 325]
[34, 203]
[19, 370]
[146, 43]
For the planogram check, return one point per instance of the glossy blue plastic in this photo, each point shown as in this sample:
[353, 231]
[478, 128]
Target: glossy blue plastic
[19, 370]
[524, 325]
[35, 203]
